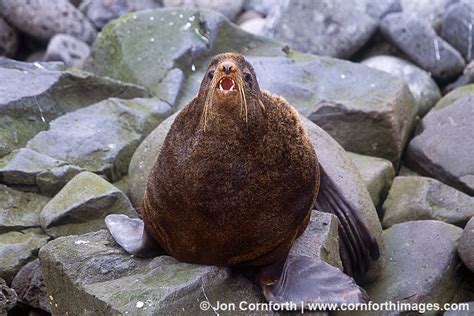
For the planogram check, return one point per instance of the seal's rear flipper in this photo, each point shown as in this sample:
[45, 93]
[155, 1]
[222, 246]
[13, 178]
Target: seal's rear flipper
[356, 240]
[130, 233]
[308, 280]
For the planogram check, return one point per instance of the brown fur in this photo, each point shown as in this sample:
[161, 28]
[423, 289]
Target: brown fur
[238, 187]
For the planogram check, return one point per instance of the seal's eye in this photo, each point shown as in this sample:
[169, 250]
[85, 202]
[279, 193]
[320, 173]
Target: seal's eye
[210, 74]
[248, 77]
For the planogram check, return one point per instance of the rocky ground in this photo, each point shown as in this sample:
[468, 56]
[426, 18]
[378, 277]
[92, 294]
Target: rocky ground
[87, 94]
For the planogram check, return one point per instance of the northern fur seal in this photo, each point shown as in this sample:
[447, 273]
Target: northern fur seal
[234, 185]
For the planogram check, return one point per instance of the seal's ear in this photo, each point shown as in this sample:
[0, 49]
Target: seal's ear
[356, 240]
[308, 280]
[130, 233]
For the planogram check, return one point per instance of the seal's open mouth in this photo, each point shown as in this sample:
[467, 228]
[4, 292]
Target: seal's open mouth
[227, 84]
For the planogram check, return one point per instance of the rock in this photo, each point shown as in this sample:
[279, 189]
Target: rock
[334, 159]
[465, 248]
[27, 169]
[443, 149]
[43, 19]
[101, 137]
[320, 240]
[122, 184]
[27, 109]
[101, 12]
[457, 29]
[430, 10]
[423, 264]
[454, 95]
[328, 28]
[30, 287]
[82, 205]
[416, 38]
[377, 174]
[7, 297]
[255, 26]
[8, 39]
[103, 279]
[17, 249]
[229, 8]
[405, 171]
[262, 6]
[19, 210]
[67, 49]
[423, 88]
[247, 16]
[418, 198]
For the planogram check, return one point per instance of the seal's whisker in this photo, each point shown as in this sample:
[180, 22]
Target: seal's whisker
[261, 104]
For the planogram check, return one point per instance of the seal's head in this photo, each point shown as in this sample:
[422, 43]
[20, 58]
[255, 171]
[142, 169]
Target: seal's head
[230, 83]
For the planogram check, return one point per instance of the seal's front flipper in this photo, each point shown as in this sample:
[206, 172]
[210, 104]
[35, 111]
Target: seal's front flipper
[130, 233]
[356, 240]
[309, 280]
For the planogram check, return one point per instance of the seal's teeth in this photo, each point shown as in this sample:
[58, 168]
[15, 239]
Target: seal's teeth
[220, 86]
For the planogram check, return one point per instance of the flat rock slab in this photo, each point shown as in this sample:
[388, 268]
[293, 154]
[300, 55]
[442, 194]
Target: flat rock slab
[418, 198]
[417, 39]
[423, 265]
[82, 205]
[444, 146]
[17, 249]
[102, 137]
[335, 160]
[27, 109]
[466, 245]
[424, 89]
[19, 210]
[377, 173]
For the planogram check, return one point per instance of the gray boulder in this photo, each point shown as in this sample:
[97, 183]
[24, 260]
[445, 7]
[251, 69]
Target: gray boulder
[418, 198]
[42, 19]
[71, 51]
[229, 8]
[454, 95]
[330, 154]
[101, 137]
[377, 174]
[7, 297]
[424, 89]
[8, 39]
[19, 210]
[457, 29]
[27, 109]
[30, 287]
[430, 10]
[443, 149]
[423, 265]
[17, 249]
[466, 248]
[417, 39]
[29, 170]
[82, 205]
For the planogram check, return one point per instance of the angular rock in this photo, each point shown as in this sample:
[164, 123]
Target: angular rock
[419, 198]
[377, 174]
[334, 159]
[454, 95]
[27, 169]
[101, 137]
[416, 38]
[82, 205]
[103, 279]
[423, 265]
[320, 240]
[8, 39]
[42, 19]
[424, 89]
[65, 48]
[27, 109]
[17, 249]
[7, 297]
[101, 12]
[457, 29]
[19, 210]
[443, 149]
[466, 245]
[328, 28]
[229, 8]
[30, 287]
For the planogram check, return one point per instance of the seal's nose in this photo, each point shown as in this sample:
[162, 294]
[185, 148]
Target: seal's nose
[227, 67]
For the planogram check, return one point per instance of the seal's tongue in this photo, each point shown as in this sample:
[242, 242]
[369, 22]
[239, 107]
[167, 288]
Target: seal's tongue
[226, 83]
